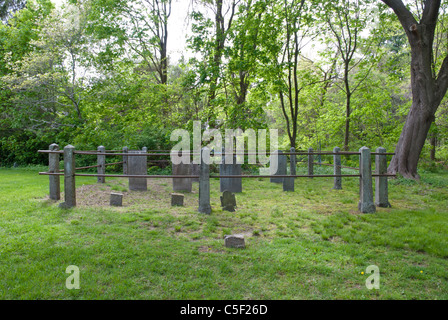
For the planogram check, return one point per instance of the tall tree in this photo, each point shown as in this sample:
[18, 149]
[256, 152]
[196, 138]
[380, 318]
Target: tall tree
[429, 85]
[346, 20]
[149, 33]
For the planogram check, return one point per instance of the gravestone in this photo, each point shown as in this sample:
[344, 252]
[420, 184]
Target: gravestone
[116, 199]
[228, 201]
[288, 184]
[182, 184]
[234, 241]
[230, 169]
[204, 183]
[281, 166]
[195, 171]
[137, 165]
[177, 199]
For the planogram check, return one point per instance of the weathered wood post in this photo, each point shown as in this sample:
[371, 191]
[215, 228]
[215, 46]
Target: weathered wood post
[53, 167]
[293, 162]
[366, 204]
[381, 183]
[69, 177]
[337, 168]
[310, 162]
[288, 183]
[204, 182]
[125, 160]
[101, 162]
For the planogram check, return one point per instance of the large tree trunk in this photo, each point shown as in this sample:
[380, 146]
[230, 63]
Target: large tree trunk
[425, 101]
[428, 89]
[411, 142]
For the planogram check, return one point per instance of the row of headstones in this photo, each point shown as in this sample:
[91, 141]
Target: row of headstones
[137, 165]
[133, 166]
[366, 203]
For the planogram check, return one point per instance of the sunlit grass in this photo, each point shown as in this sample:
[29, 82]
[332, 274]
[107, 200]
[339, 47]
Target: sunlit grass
[308, 244]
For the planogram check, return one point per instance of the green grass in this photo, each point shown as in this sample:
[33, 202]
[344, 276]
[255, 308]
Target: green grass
[307, 244]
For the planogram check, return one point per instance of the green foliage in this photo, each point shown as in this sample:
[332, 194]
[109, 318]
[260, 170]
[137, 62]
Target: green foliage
[88, 74]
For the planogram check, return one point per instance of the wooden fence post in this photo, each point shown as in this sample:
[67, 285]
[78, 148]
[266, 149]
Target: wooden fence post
[69, 177]
[337, 169]
[292, 162]
[381, 183]
[310, 162]
[53, 167]
[366, 204]
[288, 183]
[125, 161]
[101, 162]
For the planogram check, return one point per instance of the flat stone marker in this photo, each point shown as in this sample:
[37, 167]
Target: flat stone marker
[182, 184]
[177, 199]
[234, 241]
[137, 165]
[116, 199]
[228, 201]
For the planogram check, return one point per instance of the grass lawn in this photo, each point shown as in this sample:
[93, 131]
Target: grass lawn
[307, 244]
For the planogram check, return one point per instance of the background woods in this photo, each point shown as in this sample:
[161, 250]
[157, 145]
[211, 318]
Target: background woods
[325, 73]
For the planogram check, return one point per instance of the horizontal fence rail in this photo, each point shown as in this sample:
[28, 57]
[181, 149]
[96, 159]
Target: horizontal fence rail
[212, 176]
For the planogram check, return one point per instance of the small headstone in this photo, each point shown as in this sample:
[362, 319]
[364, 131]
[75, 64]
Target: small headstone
[116, 199]
[228, 201]
[288, 184]
[15, 165]
[230, 169]
[234, 241]
[278, 161]
[204, 184]
[182, 184]
[137, 165]
[195, 171]
[177, 199]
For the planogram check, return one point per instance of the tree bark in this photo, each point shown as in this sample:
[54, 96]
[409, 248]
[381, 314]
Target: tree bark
[427, 88]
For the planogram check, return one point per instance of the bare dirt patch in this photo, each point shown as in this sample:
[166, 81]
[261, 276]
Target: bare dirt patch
[158, 194]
